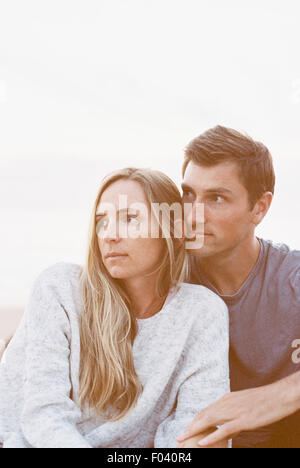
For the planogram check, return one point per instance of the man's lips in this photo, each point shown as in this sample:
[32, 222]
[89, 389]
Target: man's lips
[193, 236]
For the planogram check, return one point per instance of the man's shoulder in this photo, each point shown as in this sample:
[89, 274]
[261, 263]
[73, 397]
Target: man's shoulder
[282, 264]
[281, 249]
[282, 257]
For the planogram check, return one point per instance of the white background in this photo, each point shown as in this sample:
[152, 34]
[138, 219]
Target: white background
[90, 86]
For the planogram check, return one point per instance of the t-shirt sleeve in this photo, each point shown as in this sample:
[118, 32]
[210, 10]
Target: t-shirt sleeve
[206, 367]
[49, 415]
[295, 286]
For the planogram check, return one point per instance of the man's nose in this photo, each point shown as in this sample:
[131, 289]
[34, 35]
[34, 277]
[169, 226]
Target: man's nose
[197, 215]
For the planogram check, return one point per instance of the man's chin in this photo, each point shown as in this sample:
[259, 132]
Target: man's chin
[199, 244]
[203, 251]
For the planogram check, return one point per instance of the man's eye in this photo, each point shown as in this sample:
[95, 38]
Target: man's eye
[187, 194]
[217, 199]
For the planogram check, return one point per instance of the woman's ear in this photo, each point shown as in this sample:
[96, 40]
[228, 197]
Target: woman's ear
[262, 207]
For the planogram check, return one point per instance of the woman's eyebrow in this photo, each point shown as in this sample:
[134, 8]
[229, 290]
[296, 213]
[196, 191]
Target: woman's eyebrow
[123, 210]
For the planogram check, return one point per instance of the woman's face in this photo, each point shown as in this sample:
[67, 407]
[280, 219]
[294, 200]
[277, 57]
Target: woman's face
[124, 232]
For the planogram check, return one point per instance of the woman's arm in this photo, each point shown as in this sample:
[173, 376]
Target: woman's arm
[195, 394]
[49, 415]
[2, 348]
[206, 371]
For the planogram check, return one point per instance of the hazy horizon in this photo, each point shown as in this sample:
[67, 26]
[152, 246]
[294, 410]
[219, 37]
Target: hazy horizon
[89, 87]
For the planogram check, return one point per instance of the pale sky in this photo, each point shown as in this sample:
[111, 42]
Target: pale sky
[91, 86]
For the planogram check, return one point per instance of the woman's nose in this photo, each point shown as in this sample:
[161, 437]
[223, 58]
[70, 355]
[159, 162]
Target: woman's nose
[111, 233]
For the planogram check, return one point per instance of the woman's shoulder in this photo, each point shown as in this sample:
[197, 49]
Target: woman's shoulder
[59, 272]
[202, 294]
[57, 285]
[201, 300]
[60, 279]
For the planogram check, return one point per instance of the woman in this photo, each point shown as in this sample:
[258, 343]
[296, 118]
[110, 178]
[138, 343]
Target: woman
[121, 353]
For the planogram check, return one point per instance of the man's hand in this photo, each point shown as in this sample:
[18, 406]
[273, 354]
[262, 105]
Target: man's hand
[192, 442]
[246, 410]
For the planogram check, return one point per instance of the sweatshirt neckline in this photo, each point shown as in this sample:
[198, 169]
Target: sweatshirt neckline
[168, 302]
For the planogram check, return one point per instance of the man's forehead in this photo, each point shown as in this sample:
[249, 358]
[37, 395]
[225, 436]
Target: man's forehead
[223, 175]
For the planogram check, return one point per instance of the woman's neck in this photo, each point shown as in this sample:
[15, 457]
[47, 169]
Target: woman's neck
[143, 296]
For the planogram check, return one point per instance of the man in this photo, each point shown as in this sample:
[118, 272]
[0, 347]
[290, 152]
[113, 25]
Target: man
[233, 177]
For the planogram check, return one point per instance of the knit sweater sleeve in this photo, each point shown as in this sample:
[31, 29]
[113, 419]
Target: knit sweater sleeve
[49, 414]
[205, 371]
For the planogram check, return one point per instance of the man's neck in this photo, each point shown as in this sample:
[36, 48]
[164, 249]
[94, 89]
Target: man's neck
[229, 271]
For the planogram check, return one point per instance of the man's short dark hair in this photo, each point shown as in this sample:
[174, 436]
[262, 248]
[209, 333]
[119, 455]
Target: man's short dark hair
[221, 144]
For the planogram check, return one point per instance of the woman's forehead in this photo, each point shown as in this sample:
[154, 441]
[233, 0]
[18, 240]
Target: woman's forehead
[118, 191]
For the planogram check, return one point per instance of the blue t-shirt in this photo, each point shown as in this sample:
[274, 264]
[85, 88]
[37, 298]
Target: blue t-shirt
[264, 334]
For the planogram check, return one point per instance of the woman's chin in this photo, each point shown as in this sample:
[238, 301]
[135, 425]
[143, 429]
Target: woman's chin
[118, 273]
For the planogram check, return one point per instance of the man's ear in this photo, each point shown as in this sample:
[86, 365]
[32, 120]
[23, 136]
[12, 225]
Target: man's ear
[261, 208]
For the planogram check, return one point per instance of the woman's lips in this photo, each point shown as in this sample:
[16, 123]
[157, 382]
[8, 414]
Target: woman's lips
[115, 256]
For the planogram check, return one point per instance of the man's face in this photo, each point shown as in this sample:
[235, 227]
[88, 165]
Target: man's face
[228, 219]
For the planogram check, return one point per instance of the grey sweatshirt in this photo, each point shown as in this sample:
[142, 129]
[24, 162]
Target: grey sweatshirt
[180, 355]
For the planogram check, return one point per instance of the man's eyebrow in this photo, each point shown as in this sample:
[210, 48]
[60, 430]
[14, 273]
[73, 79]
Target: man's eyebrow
[224, 190]
[187, 187]
[218, 190]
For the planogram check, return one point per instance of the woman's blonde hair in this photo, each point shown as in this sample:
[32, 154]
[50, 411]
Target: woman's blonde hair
[109, 384]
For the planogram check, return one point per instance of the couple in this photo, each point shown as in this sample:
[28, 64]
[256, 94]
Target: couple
[133, 349]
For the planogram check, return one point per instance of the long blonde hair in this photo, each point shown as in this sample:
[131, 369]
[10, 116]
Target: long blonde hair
[108, 380]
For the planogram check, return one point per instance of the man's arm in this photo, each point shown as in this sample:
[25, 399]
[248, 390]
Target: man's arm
[246, 410]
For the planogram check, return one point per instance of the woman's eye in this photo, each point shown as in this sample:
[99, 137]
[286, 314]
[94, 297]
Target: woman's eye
[127, 219]
[131, 218]
[101, 224]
